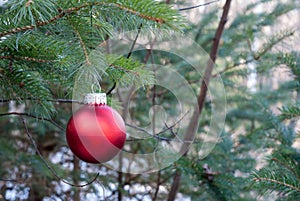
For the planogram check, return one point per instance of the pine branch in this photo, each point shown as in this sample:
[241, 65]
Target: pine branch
[128, 56]
[77, 8]
[281, 174]
[83, 46]
[27, 59]
[285, 166]
[289, 112]
[127, 71]
[261, 52]
[272, 42]
[155, 19]
[41, 23]
[132, 71]
[258, 179]
[19, 82]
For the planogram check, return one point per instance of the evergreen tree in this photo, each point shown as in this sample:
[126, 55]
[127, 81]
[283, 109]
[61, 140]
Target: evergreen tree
[49, 47]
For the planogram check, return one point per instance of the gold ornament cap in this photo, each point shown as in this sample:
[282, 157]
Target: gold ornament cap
[95, 99]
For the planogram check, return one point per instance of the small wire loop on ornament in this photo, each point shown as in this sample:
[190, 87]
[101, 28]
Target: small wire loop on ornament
[96, 91]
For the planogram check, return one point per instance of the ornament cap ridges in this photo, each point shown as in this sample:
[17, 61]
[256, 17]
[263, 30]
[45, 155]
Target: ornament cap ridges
[95, 99]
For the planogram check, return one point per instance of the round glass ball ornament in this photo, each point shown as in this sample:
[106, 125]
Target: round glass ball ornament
[96, 132]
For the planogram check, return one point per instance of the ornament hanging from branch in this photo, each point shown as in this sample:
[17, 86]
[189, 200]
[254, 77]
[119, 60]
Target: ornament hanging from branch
[96, 132]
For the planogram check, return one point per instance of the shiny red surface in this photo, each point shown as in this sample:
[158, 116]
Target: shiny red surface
[96, 134]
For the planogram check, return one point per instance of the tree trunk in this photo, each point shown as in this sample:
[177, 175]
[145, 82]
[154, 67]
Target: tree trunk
[192, 128]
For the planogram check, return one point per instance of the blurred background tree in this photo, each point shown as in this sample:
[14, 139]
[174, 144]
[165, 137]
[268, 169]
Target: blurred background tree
[43, 46]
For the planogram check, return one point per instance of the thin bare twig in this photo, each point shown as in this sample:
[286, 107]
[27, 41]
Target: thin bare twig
[148, 133]
[233, 66]
[134, 41]
[46, 163]
[172, 132]
[35, 117]
[58, 100]
[157, 185]
[156, 135]
[128, 56]
[120, 174]
[197, 6]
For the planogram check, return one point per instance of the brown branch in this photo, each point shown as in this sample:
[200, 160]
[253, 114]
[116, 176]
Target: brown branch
[192, 127]
[141, 15]
[85, 52]
[42, 23]
[74, 9]
[197, 6]
[157, 185]
[27, 59]
[277, 182]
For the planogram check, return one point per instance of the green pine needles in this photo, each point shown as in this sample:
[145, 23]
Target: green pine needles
[281, 175]
[52, 48]
[44, 43]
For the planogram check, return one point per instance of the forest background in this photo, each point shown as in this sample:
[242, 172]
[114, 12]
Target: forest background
[253, 154]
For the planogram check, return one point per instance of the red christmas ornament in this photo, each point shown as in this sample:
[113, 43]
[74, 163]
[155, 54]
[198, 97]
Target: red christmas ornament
[96, 132]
